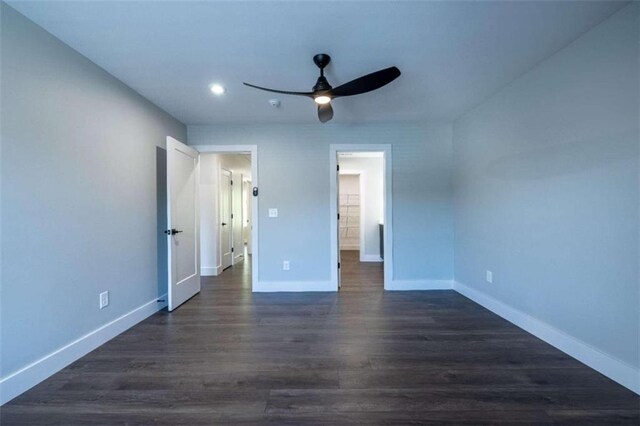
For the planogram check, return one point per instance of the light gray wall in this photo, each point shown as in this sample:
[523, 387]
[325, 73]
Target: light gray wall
[78, 193]
[547, 190]
[373, 196]
[293, 173]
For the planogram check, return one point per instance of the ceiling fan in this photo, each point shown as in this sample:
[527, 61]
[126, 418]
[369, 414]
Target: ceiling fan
[323, 93]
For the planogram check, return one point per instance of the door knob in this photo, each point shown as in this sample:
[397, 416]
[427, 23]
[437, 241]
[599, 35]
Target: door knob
[224, 224]
[172, 231]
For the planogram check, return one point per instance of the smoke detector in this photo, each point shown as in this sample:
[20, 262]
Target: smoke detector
[274, 103]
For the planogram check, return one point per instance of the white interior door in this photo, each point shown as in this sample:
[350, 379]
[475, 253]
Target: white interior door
[184, 234]
[226, 231]
[236, 219]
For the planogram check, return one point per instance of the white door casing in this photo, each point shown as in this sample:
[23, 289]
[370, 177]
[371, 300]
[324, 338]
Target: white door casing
[226, 223]
[183, 180]
[252, 150]
[334, 248]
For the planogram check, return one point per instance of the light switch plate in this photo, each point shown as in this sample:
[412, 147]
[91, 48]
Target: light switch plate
[273, 212]
[285, 265]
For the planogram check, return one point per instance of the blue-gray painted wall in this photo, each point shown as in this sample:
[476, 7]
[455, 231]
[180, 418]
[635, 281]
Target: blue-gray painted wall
[78, 194]
[547, 190]
[294, 176]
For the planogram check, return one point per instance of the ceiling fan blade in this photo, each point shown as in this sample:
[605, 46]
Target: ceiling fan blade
[366, 83]
[325, 112]
[285, 92]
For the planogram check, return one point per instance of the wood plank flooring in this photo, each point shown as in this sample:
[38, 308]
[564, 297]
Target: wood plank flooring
[363, 356]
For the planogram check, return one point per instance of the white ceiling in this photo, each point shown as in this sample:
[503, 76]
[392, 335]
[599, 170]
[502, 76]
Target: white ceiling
[452, 55]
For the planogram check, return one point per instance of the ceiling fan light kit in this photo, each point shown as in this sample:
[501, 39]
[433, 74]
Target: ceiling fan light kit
[323, 93]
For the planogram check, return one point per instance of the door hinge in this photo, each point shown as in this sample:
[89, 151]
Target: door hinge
[338, 216]
[231, 215]
[338, 265]
[231, 182]
[231, 249]
[338, 167]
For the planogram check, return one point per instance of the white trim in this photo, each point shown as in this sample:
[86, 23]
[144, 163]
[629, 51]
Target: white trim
[404, 285]
[210, 271]
[617, 370]
[274, 286]
[20, 381]
[253, 150]
[370, 257]
[388, 207]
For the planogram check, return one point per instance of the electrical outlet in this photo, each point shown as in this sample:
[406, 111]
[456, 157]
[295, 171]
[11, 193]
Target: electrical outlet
[285, 265]
[104, 299]
[273, 212]
[489, 276]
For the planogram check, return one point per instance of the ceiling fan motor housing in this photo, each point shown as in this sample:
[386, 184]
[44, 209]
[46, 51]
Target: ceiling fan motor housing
[321, 84]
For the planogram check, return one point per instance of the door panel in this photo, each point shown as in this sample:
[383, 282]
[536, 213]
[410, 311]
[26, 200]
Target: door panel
[183, 223]
[236, 190]
[184, 217]
[225, 219]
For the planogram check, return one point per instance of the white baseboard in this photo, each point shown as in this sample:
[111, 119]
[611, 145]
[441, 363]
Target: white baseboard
[20, 381]
[270, 286]
[370, 258]
[237, 258]
[210, 271]
[403, 285]
[619, 371]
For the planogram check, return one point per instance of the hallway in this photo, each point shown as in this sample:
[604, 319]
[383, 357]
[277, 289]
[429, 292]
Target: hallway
[360, 276]
[361, 356]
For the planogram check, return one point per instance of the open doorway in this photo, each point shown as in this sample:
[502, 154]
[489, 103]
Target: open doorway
[360, 208]
[228, 200]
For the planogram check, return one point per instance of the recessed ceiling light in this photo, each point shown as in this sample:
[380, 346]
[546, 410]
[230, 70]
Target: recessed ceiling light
[217, 89]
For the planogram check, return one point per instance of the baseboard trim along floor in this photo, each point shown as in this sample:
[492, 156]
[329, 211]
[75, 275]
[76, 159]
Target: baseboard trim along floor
[20, 381]
[616, 370]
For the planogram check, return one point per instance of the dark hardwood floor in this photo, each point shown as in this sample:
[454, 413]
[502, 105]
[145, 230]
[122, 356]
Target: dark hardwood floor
[363, 356]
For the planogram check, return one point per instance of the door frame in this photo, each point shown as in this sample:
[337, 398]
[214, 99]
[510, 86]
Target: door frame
[334, 149]
[252, 150]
